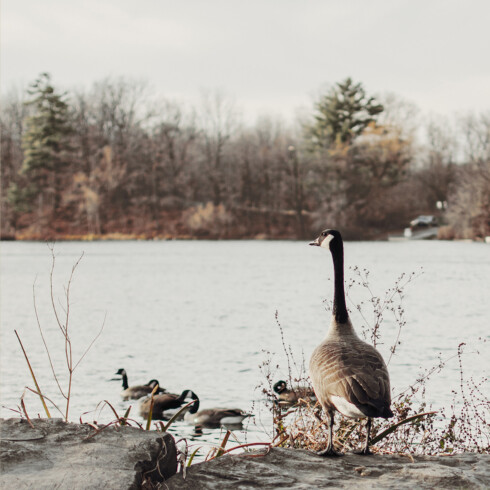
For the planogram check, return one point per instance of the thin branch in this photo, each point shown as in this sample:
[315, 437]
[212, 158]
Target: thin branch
[33, 376]
[68, 346]
[47, 398]
[44, 341]
[53, 260]
[23, 405]
[91, 343]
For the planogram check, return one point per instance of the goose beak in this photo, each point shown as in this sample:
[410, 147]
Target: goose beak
[315, 242]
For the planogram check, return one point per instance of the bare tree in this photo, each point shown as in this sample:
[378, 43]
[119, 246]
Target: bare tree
[399, 114]
[12, 116]
[469, 207]
[438, 164]
[173, 137]
[219, 121]
[112, 150]
[476, 134]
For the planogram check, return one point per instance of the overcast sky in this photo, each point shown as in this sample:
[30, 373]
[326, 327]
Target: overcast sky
[271, 56]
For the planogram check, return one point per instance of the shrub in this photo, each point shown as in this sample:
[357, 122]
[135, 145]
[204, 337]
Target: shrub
[415, 427]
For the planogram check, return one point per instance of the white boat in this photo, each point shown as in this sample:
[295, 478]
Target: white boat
[420, 234]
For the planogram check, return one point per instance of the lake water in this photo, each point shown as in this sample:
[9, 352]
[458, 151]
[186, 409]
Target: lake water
[201, 315]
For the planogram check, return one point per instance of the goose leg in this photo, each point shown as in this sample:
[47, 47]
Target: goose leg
[365, 450]
[329, 451]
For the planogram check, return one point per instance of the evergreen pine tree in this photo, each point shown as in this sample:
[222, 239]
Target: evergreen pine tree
[45, 145]
[343, 114]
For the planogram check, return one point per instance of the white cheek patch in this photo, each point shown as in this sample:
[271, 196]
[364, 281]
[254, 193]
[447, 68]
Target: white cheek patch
[346, 408]
[326, 241]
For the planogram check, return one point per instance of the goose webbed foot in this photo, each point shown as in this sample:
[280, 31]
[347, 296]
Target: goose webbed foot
[329, 452]
[363, 452]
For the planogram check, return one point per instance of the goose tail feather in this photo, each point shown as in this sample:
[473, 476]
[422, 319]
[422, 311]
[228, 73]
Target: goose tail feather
[387, 413]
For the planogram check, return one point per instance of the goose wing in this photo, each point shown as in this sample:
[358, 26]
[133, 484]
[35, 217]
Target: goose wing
[232, 412]
[135, 392]
[297, 392]
[161, 403]
[213, 416]
[167, 400]
[355, 373]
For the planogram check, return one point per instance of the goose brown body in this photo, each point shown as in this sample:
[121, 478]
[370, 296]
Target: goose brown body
[167, 401]
[212, 417]
[292, 395]
[348, 375]
[137, 391]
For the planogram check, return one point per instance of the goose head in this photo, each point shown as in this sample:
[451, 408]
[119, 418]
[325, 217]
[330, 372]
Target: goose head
[122, 372]
[152, 383]
[328, 239]
[190, 394]
[280, 386]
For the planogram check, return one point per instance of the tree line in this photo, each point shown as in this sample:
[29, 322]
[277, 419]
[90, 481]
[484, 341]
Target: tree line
[114, 161]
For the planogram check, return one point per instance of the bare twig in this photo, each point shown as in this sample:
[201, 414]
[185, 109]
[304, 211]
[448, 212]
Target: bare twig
[41, 396]
[43, 339]
[22, 404]
[64, 329]
[91, 343]
[46, 398]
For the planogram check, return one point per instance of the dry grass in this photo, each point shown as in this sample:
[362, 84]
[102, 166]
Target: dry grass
[62, 318]
[415, 427]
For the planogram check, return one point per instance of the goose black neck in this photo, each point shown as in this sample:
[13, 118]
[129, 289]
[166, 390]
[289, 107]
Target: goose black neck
[189, 393]
[339, 306]
[195, 406]
[125, 381]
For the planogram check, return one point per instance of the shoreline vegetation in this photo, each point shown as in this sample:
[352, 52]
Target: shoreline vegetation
[111, 162]
[118, 236]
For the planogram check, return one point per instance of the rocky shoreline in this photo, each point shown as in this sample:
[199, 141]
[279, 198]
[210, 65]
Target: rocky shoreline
[299, 469]
[54, 454]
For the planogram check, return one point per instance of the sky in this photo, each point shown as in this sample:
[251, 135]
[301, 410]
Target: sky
[271, 56]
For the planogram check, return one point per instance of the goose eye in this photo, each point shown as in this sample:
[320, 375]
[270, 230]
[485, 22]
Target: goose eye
[324, 233]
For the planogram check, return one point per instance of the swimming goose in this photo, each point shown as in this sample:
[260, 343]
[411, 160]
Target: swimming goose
[292, 395]
[137, 391]
[214, 417]
[348, 375]
[167, 401]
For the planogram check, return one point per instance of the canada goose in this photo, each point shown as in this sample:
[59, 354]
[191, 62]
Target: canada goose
[138, 391]
[214, 417]
[348, 375]
[291, 396]
[167, 401]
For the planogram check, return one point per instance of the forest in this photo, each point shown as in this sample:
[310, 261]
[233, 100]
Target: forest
[112, 161]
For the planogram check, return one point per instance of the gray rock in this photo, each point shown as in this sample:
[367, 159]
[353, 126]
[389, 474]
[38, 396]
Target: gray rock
[298, 469]
[56, 454]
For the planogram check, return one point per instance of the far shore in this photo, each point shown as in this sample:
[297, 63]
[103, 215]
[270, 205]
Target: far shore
[144, 237]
